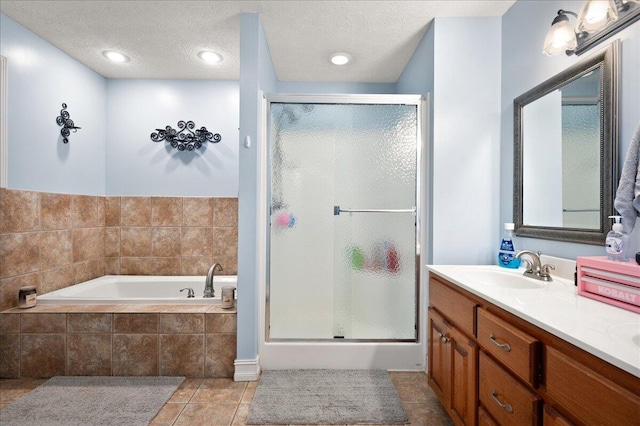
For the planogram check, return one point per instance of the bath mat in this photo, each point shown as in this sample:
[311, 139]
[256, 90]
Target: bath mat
[326, 397]
[96, 401]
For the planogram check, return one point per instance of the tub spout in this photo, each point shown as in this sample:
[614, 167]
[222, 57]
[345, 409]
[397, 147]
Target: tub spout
[208, 285]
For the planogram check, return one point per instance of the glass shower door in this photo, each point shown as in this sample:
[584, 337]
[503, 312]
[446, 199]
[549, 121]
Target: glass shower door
[343, 222]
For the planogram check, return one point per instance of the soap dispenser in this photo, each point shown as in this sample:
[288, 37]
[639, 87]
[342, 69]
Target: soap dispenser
[617, 241]
[506, 255]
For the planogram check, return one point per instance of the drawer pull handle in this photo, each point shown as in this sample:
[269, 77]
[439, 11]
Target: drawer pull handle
[503, 346]
[508, 407]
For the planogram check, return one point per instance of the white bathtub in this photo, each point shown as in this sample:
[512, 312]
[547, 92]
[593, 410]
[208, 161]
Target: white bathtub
[138, 290]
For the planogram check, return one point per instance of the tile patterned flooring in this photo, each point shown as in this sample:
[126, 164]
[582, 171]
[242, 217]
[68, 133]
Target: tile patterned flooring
[225, 402]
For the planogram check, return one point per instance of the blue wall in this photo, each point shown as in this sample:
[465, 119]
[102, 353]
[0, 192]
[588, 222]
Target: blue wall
[40, 79]
[138, 166]
[524, 66]
[328, 87]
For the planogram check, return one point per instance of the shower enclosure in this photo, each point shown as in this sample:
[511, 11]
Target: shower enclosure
[343, 220]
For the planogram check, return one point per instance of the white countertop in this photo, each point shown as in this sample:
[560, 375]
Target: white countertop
[603, 330]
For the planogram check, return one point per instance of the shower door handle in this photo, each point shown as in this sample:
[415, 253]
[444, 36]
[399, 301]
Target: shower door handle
[337, 210]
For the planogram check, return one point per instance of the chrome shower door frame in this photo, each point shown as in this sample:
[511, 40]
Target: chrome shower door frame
[412, 100]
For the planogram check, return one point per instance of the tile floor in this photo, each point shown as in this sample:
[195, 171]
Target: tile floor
[225, 402]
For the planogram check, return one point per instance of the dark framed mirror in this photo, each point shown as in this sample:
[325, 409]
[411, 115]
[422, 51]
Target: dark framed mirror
[566, 152]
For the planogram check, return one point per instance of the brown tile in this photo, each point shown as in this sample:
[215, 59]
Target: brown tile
[197, 241]
[220, 323]
[247, 396]
[55, 249]
[140, 309]
[43, 323]
[55, 279]
[102, 213]
[171, 323]
[186, 309]
[217, 309]
[192, 265]
[112, 211]
[88, 323]
[19, 254]
[9, 356]
[43, 355]
[9, 288]
[166, 211]
[220, 390]
[411, 387]
[9, 323]
[135, 242]
[135, 211]
[85, 271]
[197, 211]
[186, 390]
[42, 309]
[240, 418]
[220, 355]
[225, 242]
[206, 414]
[166, 265]
[225, 212]
[88, 243]
[55, 211]
[135, 354]
[165, 242]
[84, 211]
[93, 309]
[112, 241]
[167, 414]
[19, 211]
[12, 389]
[88, 354]
[135, 323]
[112, 265]
[135, 266]
[182, 355]
[432, 414]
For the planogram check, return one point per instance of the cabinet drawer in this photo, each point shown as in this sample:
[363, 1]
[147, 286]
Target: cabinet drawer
[484, 419]
[590, 397]
[504, 398]
[551, 417]
[518, 351]
[453, 305]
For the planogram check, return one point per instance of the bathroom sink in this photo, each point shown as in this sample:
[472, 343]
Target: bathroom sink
[625, 331]
[499, 278]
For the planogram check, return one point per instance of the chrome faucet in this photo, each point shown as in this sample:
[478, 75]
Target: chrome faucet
[208, 285]
[535, 268]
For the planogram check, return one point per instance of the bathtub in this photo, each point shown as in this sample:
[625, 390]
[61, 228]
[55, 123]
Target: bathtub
[138, 290]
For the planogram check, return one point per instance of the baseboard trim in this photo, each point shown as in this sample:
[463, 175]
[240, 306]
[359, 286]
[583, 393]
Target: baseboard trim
[247, 370]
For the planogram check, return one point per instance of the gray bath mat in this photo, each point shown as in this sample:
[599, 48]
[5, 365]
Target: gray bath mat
[108, 401]
[326, 397]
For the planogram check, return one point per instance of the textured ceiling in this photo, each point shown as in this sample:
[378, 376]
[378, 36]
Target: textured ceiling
[162, 38]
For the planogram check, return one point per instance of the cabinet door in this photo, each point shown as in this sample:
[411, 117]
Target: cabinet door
[439, 358]
[552, 418]
[464, 388]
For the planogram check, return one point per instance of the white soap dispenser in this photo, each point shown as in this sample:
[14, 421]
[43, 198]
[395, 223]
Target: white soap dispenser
[617, 241]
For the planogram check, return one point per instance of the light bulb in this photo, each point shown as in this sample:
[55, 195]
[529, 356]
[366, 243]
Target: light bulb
[115, 56]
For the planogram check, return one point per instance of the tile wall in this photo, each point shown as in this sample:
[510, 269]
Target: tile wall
[53, 241]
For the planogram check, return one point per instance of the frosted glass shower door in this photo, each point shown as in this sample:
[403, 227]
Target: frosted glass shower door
[343, 222]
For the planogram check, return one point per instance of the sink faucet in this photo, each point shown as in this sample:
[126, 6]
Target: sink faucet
[208, 285]
[535, 268]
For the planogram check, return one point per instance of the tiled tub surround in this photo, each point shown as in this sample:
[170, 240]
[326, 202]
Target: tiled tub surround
[126, 340]
[53, 241]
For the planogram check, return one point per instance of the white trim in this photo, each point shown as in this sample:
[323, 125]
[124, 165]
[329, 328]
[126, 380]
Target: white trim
[247, 370]
[343, 99]
[4, 161]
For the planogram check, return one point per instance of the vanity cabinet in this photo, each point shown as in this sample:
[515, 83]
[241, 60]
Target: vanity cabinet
[491, 367]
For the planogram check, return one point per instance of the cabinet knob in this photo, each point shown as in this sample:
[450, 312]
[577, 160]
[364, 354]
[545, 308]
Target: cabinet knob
[507, 407]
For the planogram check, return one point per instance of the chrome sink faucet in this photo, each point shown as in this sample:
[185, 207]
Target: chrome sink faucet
[208, 285]
[535, 268]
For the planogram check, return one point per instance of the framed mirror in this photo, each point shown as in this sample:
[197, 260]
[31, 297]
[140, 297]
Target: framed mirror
[566, 152]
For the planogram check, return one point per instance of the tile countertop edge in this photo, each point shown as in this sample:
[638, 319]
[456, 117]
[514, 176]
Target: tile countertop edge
[599, 344]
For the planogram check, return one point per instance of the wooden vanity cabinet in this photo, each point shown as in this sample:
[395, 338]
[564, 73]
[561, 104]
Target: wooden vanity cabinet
[510, 372]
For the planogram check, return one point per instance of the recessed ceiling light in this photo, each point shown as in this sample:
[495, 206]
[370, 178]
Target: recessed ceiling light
[210, 57]
[340, 58]
[115, 56]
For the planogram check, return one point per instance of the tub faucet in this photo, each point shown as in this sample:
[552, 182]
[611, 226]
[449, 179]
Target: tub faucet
[208, 285]
[535, 268]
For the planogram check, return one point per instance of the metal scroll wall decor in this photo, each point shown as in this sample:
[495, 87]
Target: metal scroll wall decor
[185, 138]
[64, 120]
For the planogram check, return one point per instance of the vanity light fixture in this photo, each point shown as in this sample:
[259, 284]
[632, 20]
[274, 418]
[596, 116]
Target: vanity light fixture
[340, 58]
[114, 56]
[64, 120]
[210, 57]
[597, 20]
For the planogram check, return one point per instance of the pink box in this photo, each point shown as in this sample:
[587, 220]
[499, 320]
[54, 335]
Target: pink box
[608, 281]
